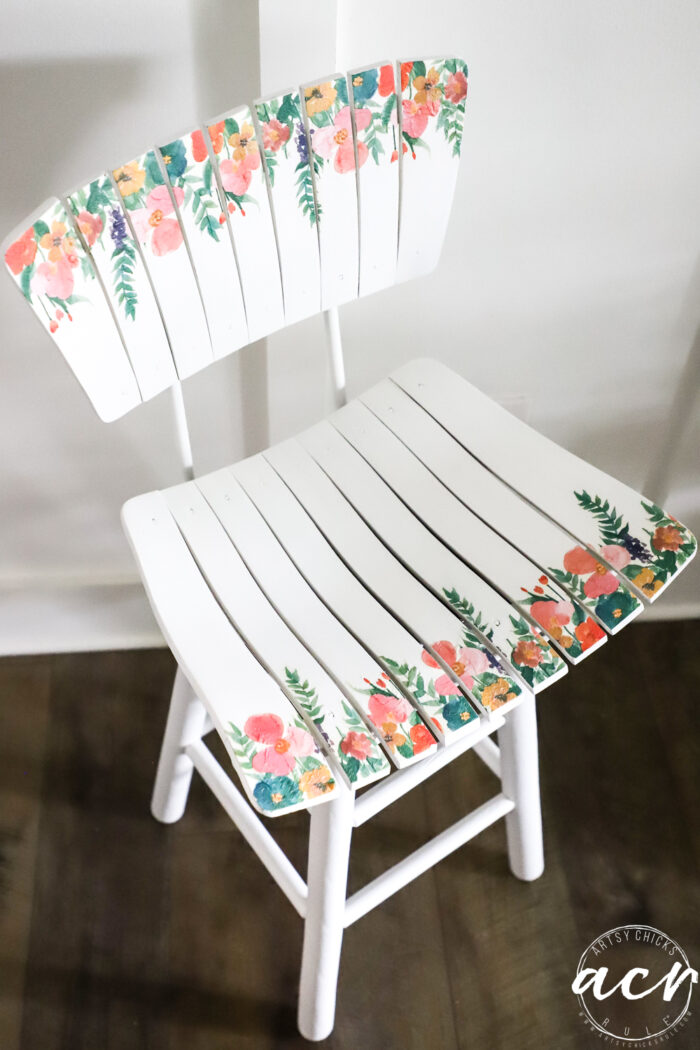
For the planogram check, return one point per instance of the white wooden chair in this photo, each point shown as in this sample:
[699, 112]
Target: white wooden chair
[391, 588]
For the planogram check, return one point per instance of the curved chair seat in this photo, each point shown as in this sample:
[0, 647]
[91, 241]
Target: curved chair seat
[378, 587]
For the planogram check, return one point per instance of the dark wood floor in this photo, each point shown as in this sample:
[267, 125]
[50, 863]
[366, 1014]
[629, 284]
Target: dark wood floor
[117, 933]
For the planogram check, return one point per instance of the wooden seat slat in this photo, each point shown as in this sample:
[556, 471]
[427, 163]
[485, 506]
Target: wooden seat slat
[629, 532]
[349, 664]
[470, 596]
[251, 714]
[305, 683]
[600, 592]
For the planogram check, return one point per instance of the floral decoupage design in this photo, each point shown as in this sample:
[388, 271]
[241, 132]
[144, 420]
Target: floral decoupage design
[100, 218]
[284, 135]
[190, 172]
[355, 749]
[396, 720]
[376, 120]
[151, 210]
[236, 149]
[51, 268]
[433, 98]
[563, 620]
[530, 653]
[288, 768]
[648, 563]
[478, 670]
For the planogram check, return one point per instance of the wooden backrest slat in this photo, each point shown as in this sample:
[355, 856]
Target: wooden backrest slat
[253, 221]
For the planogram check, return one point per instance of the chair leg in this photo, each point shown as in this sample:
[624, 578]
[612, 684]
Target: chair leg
[521, 783]
[329, 855]
[186, 721]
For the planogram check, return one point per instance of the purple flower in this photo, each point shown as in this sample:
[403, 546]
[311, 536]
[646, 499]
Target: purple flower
[302, 144]
[117, 229]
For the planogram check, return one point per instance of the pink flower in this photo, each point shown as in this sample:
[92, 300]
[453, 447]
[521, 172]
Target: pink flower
[414, 118]
[275, 135]
[616, 555]
[581, 562]
[335, 142]
[357, 745]
[280, 756]
[54, 279]
[90, 226]
[456, 87]
[464, 663]
[384, 709]
[552, 615]
[167, 235]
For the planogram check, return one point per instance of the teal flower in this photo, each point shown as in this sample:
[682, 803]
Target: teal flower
[276, 792]
[612, 608]
[174, 158]
[364, 85]
[457, 712]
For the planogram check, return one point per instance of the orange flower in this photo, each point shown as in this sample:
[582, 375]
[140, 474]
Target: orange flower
[427, 88]
[216, 134]
[316, 782]
[58, 244]
[22, 252]
[199, 148]
[421, 739]
[243, 142]
[390, 735]
[497, 694]
[588, 633]
[130, 178]
[528, 653]
[647, 582]
[406, 68]
[386, 81]
[666, 538]
[319, 97]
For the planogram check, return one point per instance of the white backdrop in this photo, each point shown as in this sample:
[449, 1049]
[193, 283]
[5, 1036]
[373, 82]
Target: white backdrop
[568, 286]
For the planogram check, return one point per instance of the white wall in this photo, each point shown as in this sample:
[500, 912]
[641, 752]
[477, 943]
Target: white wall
[569, 280]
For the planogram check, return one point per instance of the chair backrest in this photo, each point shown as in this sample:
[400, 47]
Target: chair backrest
[267, 215]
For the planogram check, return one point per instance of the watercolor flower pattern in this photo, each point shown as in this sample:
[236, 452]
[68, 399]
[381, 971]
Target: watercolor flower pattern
[358, 754]
[158, 220]
[435, 95]
[395, 719]
[376, 119]
[283, 760]
[562, 619]
[648, 564]
[285, 142]
[335, 142]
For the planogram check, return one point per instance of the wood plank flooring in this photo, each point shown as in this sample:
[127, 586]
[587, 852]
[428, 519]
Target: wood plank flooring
[117, 933]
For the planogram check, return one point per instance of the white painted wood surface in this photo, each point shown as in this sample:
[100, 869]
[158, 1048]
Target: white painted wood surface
[329, 123]
[305, 683]
[59, 281]
[470, 596]
[348, 663]
[228, 679]
[99, 218]
[285, 150]
[510, 572]
[187, 166]
[399, 591]
[248, 214]
[648, 546]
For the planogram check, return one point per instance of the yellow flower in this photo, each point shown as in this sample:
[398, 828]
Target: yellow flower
[319, 97]
[316, 782]
[497, 694]
[129, 179]
[243, 142]
[427, 88]
[647, 582]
